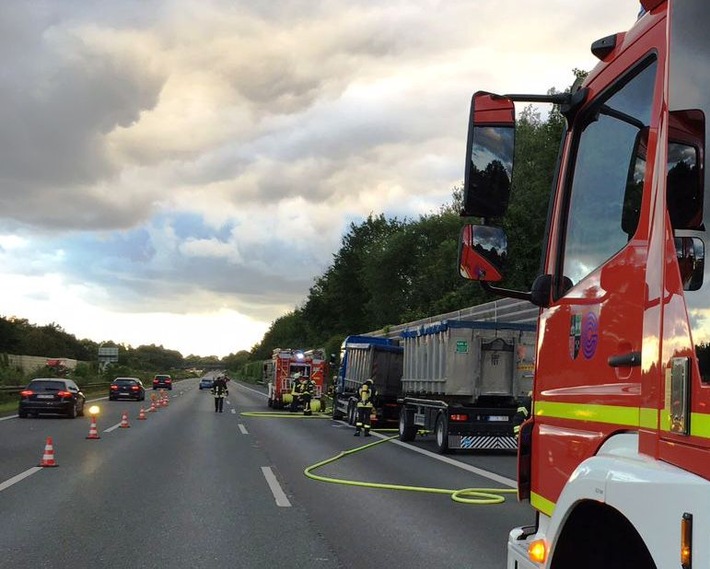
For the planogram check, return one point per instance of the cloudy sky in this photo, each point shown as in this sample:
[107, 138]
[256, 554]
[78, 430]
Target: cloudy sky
[177, 172]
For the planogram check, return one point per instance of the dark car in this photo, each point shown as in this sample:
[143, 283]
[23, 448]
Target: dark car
[206, 383]
[163, 381]
[129, 387]
[51, 395]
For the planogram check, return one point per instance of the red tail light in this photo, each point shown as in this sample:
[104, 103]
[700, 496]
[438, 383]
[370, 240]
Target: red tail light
[458, 418]
[64, 393]
[114, 387]
[26, 393]
[168, 381]
[134, 388]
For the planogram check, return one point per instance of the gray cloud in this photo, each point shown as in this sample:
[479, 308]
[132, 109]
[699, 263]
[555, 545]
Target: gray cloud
[182, 155]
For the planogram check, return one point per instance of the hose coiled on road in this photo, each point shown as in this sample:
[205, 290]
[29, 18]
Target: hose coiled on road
[476, 496]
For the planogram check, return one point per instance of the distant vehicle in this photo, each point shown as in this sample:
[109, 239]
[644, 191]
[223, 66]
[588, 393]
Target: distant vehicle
[163, 381]
[206, 383]
[51, 395]
[128, 387]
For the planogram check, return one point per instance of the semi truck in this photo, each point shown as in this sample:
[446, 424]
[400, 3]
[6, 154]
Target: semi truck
[466, 382]
[363, 358]
[281, 373]
[615, 459]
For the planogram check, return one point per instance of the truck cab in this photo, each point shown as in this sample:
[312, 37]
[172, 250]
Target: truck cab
[616, 457]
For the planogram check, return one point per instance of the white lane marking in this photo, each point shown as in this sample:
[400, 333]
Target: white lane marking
[116, 426]
[21, 476]
[253, 390]
[479, 471]
[279, 495]
[6, 418]
[243, 429]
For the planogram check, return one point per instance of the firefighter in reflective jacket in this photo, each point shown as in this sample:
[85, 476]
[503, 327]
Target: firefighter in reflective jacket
[521, 415]
[297, 389]
[364, 408]
[309, 389]
[219, 390]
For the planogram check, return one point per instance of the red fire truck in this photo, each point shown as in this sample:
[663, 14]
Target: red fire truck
[616, 457]
[284, 367]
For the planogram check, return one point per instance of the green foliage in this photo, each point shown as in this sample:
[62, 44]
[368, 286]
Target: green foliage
[536, 146]
[11, 376]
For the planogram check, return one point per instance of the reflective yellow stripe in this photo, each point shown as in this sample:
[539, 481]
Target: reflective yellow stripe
[648, 418]
[700, 425]
[644, 417]
[612, 414]
[542, 504]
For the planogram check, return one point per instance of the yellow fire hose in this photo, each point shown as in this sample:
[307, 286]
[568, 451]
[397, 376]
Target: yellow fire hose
[477, 496]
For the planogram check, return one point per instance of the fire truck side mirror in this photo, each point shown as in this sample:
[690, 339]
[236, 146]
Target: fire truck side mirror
[489, 156]
[482, 253]
[690, 252]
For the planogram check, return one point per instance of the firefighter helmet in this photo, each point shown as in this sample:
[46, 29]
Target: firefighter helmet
[297, 375]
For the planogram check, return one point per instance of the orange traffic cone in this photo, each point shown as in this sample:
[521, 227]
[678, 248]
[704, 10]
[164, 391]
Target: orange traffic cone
[153, 408]
[48, 456]
[141, 415]
[93, 432]
[124, 421]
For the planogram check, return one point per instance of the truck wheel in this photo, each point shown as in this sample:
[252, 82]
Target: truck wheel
[337, 414]
[441, 432]
[407, 429]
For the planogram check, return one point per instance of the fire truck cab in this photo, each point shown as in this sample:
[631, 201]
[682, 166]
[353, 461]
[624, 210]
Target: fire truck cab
[616, 457]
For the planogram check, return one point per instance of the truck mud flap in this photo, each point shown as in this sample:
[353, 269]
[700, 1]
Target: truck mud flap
[465, 442]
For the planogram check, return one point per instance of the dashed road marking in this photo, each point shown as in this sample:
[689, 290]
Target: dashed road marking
[276, 490]
[21, 476]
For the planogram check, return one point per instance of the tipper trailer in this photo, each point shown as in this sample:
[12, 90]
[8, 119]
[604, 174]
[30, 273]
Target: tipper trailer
[466, 382]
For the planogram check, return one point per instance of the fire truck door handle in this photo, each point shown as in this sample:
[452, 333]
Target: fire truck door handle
[632, 359]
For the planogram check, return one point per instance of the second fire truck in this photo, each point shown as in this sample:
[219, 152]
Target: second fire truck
[284, 366]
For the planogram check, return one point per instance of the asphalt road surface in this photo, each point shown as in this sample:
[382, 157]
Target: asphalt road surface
[188, 487]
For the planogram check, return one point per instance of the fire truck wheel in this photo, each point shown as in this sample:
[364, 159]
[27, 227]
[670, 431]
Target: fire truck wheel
[441, 432]
[407, 429]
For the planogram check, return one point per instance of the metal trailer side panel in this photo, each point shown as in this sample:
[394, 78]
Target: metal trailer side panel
[382, 364]
[468, 359]
[387, 371]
